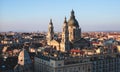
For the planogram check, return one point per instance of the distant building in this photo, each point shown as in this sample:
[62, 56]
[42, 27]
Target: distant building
[71, 53]
[109, 62]
[24, 62]
[46, 64]
[71, 35]
[8, 64]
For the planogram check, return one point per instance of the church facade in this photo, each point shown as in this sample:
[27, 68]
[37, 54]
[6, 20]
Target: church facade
[71, 35]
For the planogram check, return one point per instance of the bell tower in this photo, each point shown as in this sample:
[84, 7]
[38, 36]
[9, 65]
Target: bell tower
[50, 34]
[65, 37]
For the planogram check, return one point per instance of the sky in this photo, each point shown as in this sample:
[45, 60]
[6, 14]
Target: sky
[34, 15]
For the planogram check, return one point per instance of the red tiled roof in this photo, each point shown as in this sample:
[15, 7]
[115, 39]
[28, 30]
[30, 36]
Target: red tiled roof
[74, 50]
[77, 51]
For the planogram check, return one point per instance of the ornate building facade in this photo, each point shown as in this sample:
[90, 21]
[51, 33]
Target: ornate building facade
[71, 35]
[72, 52]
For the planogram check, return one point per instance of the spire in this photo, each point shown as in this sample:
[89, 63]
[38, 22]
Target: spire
[51, 21]
[65, 21]
[72, 14]
[65, 37]
[50, 35]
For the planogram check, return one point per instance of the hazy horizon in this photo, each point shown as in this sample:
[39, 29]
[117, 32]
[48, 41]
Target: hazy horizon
[33, 16]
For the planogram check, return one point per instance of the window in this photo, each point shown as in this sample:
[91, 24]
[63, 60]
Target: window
[83, 67]
[79, 68]
[59, 70]
[52, 64]
[59, 64]
[88, 69]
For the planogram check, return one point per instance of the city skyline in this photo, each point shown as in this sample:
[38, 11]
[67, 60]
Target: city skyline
[27, 16]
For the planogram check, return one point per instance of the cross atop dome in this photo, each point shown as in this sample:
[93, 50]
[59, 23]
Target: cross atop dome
[72, 14]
